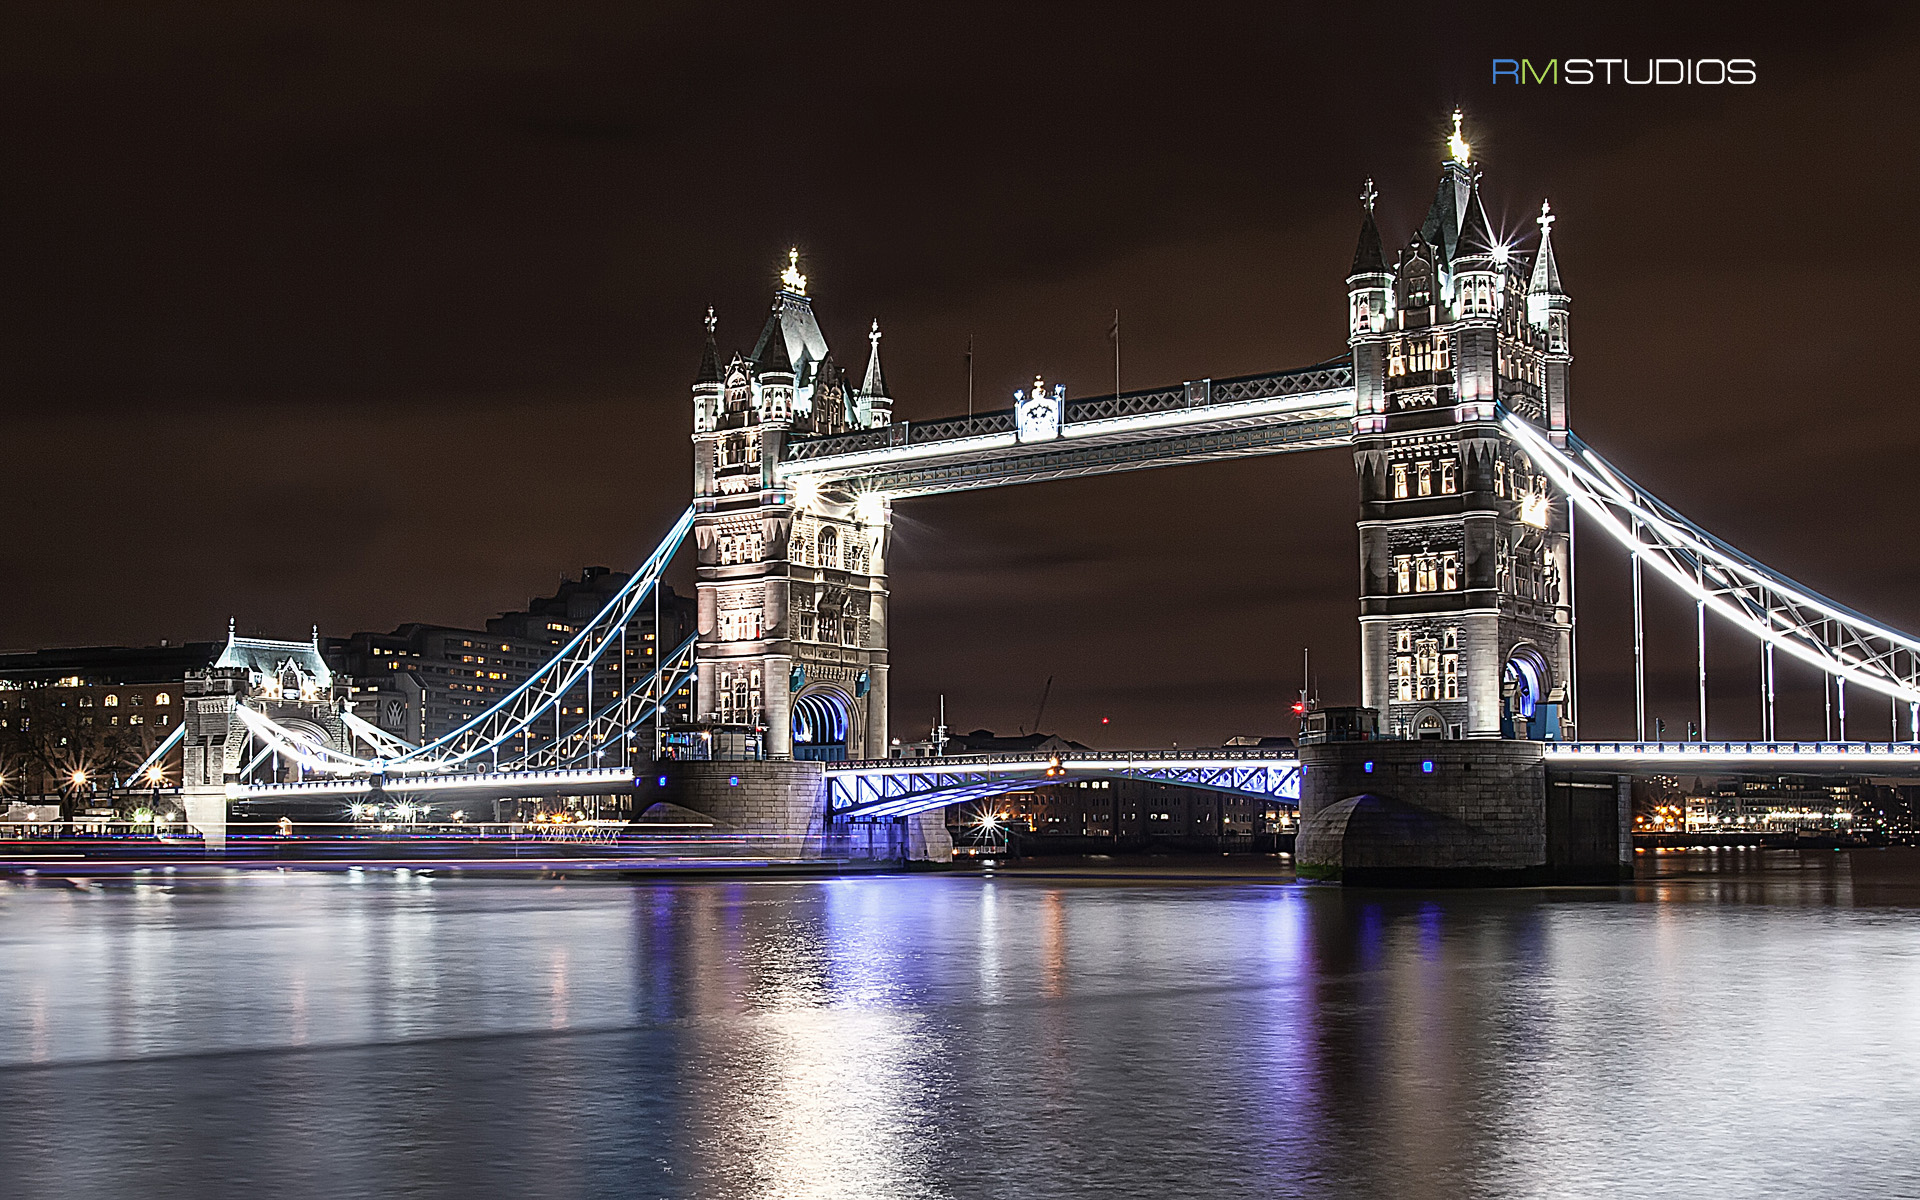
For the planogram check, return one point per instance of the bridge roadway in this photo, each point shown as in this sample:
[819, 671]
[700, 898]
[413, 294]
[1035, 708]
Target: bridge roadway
[1198, 421]
[877, 789]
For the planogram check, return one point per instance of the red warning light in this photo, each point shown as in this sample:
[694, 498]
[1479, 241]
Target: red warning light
[1104, 720]
[1299, 707]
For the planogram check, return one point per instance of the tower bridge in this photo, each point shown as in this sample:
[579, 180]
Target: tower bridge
[1453, 396]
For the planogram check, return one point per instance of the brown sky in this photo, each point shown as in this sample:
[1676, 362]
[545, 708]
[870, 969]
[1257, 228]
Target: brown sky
[363, 314]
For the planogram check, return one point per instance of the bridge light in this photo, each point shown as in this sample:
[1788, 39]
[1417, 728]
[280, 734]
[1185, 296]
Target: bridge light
[156, 776]
[870, 508]
[806, 493]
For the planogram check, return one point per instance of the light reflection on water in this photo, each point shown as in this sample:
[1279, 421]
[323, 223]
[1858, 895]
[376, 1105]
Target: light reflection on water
[1732, 1025]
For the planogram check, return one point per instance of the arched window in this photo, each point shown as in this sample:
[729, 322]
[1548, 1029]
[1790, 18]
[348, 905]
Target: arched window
[112, 701]
[162, 700]
[829, 547]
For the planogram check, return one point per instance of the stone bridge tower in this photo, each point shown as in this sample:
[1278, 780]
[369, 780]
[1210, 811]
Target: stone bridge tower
[791, 583]
[1466, 591]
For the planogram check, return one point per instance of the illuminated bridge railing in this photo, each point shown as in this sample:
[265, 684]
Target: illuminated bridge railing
[1841, 757]
[876, 789]
[1197, 395]
[504, 782]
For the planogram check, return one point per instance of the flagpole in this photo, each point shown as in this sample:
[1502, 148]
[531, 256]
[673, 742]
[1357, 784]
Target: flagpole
[969, 374]
[1116, 354]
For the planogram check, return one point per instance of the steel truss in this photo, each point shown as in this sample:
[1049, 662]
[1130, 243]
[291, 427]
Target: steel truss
[1767, 605]
[872, 791]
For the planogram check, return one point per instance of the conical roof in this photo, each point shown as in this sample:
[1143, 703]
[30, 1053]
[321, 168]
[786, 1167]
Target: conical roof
[1368, 257]
[710, 357]
[771, 355]
[1476, 237]
[1442, 226]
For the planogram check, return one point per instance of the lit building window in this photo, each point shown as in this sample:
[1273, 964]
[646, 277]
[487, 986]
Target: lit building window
[1402, 567]
[829, 547]
[1403, 677]
[1447, 487]
[1399, 481]
[1403, 641]
[1427, 574]
[1450, 676]
[1449, 571]
[1426, 479]
[112, 701]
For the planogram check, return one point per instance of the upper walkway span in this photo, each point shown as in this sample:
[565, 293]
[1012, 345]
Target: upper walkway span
[1198, 421]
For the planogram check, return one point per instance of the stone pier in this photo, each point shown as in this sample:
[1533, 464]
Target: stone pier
[1457, 813]
[782, 804]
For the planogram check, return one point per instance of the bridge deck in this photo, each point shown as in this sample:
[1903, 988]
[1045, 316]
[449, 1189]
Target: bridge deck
[875, 789]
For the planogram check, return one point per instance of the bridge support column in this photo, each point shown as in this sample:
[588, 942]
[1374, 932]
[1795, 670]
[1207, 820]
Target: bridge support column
[206, 810]
[1457, 813]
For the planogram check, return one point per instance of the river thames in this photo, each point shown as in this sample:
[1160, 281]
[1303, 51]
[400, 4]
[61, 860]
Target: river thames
[1738, 1024]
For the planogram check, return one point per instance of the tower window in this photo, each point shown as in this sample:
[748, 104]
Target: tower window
[1450, 676]
[1447, 487]
[1402, 569]
[1426, 479]
[1403, 678]
[1399, 481]
[1449, 571]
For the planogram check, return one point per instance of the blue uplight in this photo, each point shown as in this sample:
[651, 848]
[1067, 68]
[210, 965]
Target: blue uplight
[1426, 765]
[733, 781]
[660, 782]
[1369, 766]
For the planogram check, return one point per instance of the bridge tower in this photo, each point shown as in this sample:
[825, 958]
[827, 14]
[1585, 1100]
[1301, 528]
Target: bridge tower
[1466, 602]
[791, 582]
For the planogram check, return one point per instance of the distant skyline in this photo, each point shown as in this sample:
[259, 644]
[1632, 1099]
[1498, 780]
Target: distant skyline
[317, 318]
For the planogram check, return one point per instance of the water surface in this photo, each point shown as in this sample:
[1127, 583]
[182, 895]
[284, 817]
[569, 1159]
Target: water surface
[1735, 1024]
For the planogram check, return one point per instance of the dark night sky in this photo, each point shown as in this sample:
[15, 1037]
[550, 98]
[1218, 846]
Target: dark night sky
[369, 313]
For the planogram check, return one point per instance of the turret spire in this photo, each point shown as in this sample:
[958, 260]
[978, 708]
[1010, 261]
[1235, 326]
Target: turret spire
[709, 357]
[876, 383]
[1546, 271]
[1457, 144]
[1368, 257]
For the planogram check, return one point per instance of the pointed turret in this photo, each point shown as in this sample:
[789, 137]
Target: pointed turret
[1369, 284]
[1547, 303]
[708, 386]
[876, 407]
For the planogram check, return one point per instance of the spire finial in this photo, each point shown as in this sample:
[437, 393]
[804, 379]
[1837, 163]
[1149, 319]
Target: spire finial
[1368, 195]
[791, 278]
[712, 322]
[874, 335]
[1546, 218]
[229, 629]
[1457, 144]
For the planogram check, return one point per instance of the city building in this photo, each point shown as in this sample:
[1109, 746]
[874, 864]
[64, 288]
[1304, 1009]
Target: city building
[75, 721]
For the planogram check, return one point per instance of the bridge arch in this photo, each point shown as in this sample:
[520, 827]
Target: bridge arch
[824, 724]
